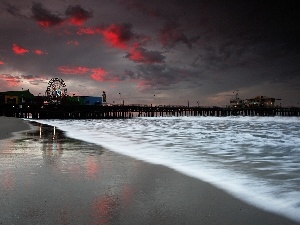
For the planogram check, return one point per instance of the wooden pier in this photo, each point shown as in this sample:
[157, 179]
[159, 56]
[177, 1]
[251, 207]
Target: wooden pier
[129, 111]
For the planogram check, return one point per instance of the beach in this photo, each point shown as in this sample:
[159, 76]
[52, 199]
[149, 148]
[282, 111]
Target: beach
[48, 178]
[9, 125]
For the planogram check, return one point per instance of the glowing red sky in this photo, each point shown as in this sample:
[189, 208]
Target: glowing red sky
[194, 51]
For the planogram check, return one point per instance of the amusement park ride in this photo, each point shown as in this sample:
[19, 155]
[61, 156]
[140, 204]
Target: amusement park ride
[56, 89]
[56, 92]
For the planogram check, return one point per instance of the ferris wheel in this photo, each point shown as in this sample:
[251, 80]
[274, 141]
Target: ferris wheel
[56, 88]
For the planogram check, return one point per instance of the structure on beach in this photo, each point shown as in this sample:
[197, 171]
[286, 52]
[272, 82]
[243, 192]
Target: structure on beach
[57, 104]
[258, 101]
[16, 97]
[72, 111]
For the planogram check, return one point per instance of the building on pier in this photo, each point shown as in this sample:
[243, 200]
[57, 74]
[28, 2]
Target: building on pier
[258, 101]
[16, 97]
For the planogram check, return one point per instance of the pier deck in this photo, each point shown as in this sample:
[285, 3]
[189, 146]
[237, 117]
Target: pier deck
[129, 111]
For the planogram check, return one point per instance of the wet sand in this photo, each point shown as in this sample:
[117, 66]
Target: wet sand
[47, 178]
[8, 125]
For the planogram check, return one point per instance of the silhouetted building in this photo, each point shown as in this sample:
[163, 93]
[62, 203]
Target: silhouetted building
[260, 101]
[16, 97]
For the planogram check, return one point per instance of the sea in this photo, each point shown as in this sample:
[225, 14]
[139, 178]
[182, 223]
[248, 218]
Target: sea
[256, 159]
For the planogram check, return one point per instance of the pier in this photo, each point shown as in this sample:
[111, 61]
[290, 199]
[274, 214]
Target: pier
[129, 111]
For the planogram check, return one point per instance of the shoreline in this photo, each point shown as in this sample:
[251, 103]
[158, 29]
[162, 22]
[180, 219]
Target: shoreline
[161, 195]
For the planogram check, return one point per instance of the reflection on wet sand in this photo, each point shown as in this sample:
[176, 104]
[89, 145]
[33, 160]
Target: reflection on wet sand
[63, 180]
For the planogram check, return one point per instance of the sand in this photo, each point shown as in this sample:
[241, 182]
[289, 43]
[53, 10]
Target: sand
[57, 180]
[8, 125]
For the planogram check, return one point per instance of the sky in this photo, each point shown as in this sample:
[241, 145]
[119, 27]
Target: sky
[178, 52]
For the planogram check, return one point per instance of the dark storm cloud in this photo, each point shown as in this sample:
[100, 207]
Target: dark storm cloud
[78, 15]
[171, 10]
[177, 19]
[223, 57]
[161, 77]
[122, 32]
[75, 15]
[117, 35]
[128, 75]
[286, 76]
[13, 10]
[45, 17]
[172, 34]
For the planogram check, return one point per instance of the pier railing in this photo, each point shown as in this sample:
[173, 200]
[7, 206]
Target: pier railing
[129, 111]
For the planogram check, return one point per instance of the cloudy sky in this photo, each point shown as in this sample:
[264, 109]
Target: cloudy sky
[160, 52]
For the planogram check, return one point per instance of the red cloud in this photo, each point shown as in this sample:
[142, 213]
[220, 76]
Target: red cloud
[39, 52]
[118, 35]
[98, 74]
[76, 21]
[10, 80]
[19, 50]
[45, 23]
[141, 55]
[1, 63]
[73, 70]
